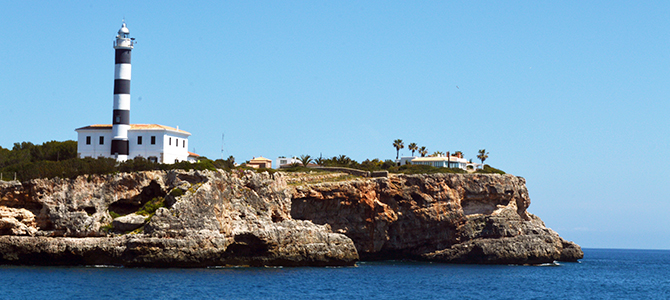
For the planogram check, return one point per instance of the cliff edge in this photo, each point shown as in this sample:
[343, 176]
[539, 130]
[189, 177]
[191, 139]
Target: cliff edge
[454, 218]
[162, 219]
[217, 218]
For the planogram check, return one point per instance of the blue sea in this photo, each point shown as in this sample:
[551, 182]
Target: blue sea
[602, 274]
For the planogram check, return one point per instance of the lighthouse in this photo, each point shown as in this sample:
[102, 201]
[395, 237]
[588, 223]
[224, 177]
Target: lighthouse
[123, 45]
[122, 140]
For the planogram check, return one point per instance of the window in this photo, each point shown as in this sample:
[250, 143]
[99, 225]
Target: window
[176, 142]
[153, 140]
[170, 142]
[102, 140]
[139, 140]
[183, 144]
[88, 140]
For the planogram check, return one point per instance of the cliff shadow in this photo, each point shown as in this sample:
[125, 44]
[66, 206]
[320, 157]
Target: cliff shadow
[127, 206]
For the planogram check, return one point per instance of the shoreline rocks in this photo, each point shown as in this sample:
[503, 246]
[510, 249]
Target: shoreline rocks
[217, 218]
[453, 218]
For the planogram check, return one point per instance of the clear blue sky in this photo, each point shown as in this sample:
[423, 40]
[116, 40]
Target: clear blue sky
[571, 95]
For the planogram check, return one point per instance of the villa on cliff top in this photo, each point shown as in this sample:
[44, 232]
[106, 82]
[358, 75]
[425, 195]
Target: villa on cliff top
[440, 161]
[284, 162]
[260, 162]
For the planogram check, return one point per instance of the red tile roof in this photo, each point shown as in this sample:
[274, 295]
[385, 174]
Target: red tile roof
[135, 127]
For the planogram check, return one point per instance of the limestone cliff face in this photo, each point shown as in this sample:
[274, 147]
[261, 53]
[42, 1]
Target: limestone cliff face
[210, 218]
[243, 218]
[456, 218]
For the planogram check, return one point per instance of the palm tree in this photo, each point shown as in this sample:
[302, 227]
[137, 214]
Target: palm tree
[305, 160]
[343, 160]
[483, 155]
[319, 161]
[413, 147]
[423, 151]
[398, 144]
[437, 153]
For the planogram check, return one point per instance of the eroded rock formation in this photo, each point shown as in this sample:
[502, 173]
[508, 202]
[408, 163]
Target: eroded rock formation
[211, 218]
[456, 218]
[204, 218]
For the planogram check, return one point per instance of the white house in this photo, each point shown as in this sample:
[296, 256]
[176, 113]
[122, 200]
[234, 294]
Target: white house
[446, 162]
[284, 161]
[157, 143]
[405, 160]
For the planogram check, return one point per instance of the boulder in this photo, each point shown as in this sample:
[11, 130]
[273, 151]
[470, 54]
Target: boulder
[128, 222]
[15, 221]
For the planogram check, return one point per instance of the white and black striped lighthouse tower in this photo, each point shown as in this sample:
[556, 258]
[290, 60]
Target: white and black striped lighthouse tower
[123, 45]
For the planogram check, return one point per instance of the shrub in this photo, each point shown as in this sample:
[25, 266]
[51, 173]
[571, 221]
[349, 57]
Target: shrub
[113, 214]
[489, 170]
[177, 192]
[150, 208]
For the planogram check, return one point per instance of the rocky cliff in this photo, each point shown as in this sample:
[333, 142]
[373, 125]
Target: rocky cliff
[455, 218]
[204, 218]
[213, 218]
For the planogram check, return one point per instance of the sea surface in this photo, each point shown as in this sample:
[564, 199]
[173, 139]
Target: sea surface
[602, 274]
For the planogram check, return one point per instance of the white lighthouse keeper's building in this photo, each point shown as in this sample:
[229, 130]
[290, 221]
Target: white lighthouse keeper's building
[122, 140]
[157, 143]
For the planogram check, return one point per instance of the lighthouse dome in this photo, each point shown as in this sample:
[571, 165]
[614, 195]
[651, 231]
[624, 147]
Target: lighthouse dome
[124, 29]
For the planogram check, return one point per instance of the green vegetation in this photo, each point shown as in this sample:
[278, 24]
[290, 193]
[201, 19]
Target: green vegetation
[136, 231]
[261, 170]
[378, 165]
[483, 155]
[27, 160]
[305, 160]
[150, 208]
[423, 151]
[389, 165]
[59, 159]
[489, 170]
[107, 228]
[398, 144]
[177, 192]
[423, 169]
[344, 161]
[412, 147]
